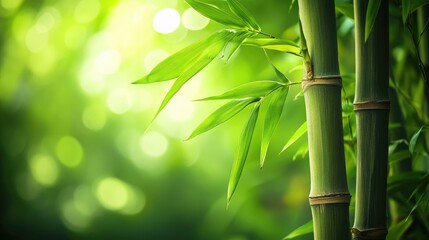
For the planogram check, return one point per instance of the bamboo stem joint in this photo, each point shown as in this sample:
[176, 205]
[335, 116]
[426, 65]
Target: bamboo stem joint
[322, 80]
[372, 105]
[336, 198]
[372, 233]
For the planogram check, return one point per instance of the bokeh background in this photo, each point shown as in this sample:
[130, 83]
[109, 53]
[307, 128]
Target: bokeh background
[78, 157]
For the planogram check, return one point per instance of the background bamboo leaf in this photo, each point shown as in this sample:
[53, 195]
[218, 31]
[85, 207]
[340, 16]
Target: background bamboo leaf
[275, 44]
[345, 7]
[272, 117]
[415, 4]
[406, 9]
[236, 42]
[303, 230]
[371, 15]
[244, 14]
[242, 151]
[298, 133]
[397, 230]
[213, 12]
[221, 115]
[414, 139]
[254, 89]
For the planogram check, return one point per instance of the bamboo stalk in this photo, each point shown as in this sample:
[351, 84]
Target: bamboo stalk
[329, 195]
[372, 76]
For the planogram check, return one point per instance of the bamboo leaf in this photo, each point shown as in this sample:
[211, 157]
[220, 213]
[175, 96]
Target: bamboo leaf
[209, 53]
[345, 7]
[174, 65]
[217, 14]
[242, 151]
[371, 15]
[274, 44]
[396, 231]
[291, 5]
[272, 117]
[303, 230]
[399, 156]
[252, 89]
[415, 4]
[222, 115]
[298, 133]
[280, 75]
[244, 14]
[236, 42]
[414, 139]
[406, 10]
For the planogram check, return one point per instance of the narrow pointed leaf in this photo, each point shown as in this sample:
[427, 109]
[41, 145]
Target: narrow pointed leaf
[406, 9]
[291, 5]
[298, 133]
[244, 14]
[236, 42]
[242, 151]
[272, 117]
[222, 115]
[216, 14]
[209, 53]
[303, 230]
[415, 4]
[174, 65]
[252, 89]
[280, 75]
[397, 230]
[371, 15]
[414, 138]
[345, 7]
[275, 44]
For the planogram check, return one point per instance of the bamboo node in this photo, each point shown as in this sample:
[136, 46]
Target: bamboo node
[372, 105]
[335, 198]
[370, 233]
[334, 80]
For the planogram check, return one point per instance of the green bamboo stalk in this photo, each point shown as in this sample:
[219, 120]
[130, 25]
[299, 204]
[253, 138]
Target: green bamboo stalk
[329, 195]
[372, 118]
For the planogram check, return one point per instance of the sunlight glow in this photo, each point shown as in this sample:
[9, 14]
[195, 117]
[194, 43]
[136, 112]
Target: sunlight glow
[193, 20]
[120, 100]
[181, 109]
[11, 4]
[112, 193]
[69, 151]
[94, 117]
[154, 144]
[86, 10]
[73, 218]
[108, 61]
[44, 170]
[166, 20]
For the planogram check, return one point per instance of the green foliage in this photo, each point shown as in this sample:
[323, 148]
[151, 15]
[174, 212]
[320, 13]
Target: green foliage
[345, 7]
[303, 230]
[274, 112]
[242, 151]
[398, 230]
[371, 15]
[244, 14]
[298, 133]
[409, 6]
[414, 138]
[275, 44]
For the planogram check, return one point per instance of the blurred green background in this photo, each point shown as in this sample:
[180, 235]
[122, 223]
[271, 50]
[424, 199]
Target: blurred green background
[76, 162]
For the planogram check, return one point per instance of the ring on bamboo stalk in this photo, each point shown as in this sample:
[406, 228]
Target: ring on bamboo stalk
[372, 105]
[372, 233]
[330, 199]
[321, 80]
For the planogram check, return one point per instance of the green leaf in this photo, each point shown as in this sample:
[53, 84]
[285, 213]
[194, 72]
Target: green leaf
[280, 74]
[345, 7]
[216, 14]
[415, 137]
[272, 118]
[291, 5]
[221, 115]
[244, 14]
[274, 44]
[415, 4]
[215, 46]
[236, 42]
[371, 15]
[174, 65]
[406, 10]
[396, 231]
[242, 151]
[303, 230]
[255, 89]
[298, 133]
[399, 156]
